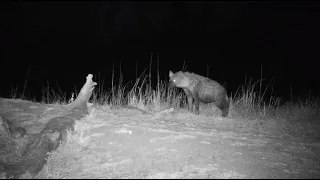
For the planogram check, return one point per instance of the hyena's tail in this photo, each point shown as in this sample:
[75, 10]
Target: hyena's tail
[225, 106]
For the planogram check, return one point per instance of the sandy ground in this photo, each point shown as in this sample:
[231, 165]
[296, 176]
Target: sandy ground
[129, 143]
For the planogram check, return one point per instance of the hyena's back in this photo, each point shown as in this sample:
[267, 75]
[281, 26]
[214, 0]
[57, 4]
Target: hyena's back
[209, 92]
[202, 89]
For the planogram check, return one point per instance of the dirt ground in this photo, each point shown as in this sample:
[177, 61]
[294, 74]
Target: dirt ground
[119, 142]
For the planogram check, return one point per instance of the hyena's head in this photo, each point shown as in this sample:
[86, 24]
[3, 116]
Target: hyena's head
[178, 79]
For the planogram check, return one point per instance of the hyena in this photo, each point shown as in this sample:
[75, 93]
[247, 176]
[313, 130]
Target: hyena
[199, 88]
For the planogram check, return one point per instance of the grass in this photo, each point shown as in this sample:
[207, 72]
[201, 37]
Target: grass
[253, 111]
[250, 109]
[141, 94]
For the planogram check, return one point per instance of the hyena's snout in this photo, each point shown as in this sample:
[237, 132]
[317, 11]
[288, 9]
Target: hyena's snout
[171, 84]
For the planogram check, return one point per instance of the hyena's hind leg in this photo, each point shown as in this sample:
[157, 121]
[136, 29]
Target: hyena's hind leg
[196, 105]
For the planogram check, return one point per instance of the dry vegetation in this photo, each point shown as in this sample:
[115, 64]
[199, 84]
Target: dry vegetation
[253, 111]
[254, 114]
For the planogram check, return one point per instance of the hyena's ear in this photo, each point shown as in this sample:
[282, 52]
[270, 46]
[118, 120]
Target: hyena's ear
[170, 73]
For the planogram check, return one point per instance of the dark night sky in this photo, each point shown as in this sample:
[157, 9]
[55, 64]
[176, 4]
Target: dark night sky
[63, 42]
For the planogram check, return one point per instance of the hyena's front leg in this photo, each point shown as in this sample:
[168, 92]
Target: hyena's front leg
[190, 105]
[196, 103]
[190, 99]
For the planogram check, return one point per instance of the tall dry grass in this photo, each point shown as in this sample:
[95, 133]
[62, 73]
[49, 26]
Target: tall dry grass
[249, 105]
[273, 117]
[140, 94]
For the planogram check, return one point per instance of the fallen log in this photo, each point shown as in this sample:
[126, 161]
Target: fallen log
[36, 147]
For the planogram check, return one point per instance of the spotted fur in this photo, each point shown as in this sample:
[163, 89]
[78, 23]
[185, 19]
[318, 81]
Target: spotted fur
[198, 88]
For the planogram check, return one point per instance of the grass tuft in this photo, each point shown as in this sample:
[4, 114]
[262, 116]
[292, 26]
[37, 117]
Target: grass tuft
[249, 105]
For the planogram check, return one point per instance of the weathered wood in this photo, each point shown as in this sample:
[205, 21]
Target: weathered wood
[37, 146]
[12, 129]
